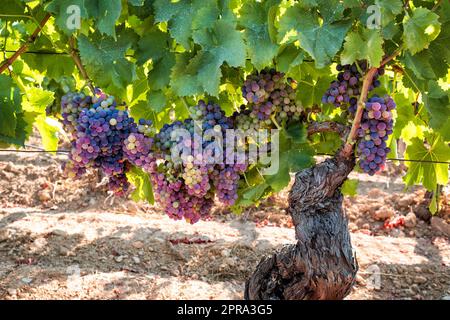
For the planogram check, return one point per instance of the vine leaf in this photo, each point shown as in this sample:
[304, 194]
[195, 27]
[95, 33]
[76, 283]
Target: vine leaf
[393, 6]
[289, 58]
[141, 181]
[321, 39]
[349, 187]
[429, 174]
[15, 124]
[105, 62]
[153, 45]
[48, 129]
[254, 17]
[202, 72]
[180, 17]
[420, 29]
[364, 44]
[106, 13]
[437, 104]
[36, 100]
[293, 156]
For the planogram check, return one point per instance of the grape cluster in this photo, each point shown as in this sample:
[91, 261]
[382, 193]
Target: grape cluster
[375, 128]
[186, 183]
[268, 93]
[344, 91]
[98, 130]
[71, 106]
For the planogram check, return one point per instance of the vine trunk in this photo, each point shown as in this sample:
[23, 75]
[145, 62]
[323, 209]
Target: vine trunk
[321, 264]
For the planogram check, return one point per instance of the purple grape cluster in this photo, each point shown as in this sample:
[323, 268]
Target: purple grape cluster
[344, 91]
[376, 126]
[98, 130]
[267, 93]
[185, 183]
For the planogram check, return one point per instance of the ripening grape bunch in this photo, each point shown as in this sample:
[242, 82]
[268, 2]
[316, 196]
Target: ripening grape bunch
[375, 128]
[186, 183]
[269, 93]
[98, 131]
[344, 91]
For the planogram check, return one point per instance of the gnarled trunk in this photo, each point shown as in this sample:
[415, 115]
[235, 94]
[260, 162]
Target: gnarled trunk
[321, 264]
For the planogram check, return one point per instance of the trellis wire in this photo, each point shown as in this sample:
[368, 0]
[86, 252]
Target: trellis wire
[318, 154]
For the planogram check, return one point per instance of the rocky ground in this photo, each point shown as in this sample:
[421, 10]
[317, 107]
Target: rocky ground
[64, 239]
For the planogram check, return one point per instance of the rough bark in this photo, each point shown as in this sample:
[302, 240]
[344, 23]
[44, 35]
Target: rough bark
[321, 264]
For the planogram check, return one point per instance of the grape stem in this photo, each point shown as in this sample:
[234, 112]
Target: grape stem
[8, 62]
[368, 78]
[76, 58]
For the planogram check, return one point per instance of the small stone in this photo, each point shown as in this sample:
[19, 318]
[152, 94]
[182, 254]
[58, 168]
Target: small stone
[446, 297]
[360, 280]
[63, 251]
[12, 292]
[418, 269]
[410, 220]
[141, 253]
[420, 279]
[352, 226]
[440, 225]
[58, 232]
[118, 259]
[225, 252]
[4, 234]
[194, 276]
[138, 244]
[366, 226]
[383, 213]
[136, 260]
[26, 280]
[175, 273]
[44, 195]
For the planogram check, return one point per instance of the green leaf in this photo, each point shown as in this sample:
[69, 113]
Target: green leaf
[53, 66]
[254, 193]
[9, 106]
[420, 29]
[48, 128]
[321, 39]
[427, 173]
[36, 100]
[364, 44]
[142, 110]
[141, 181]
[106, 13]
[159, 75]
[420, 64]
[349, 187]
[290, 57]
[254, 19]
[157, 100]
[393, 6]
[180, 16]
[105, 62]
[222, 43]
[297, 133]
[153, 45]
[437, 103]
[12, 7]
